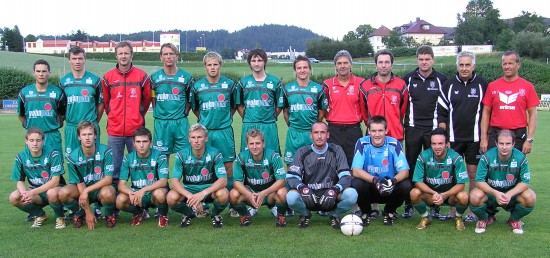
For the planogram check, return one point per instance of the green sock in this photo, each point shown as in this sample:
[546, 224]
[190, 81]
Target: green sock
[182, 208]
[421, 207]
[218, 208]
[460, 209]
[163, 209]
[109, 209]
[241, 209]
[32, 209]
[74, 207]
[519, 212]
[480, 211]
[281, 209]
[133, 209]
[58, 210]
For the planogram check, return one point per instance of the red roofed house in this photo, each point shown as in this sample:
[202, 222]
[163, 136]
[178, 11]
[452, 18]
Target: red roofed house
[56, 46]
[422, 32]
[375, 38]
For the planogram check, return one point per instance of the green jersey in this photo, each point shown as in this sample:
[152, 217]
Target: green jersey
[503, 175]
[171, 93]
[144, 171]
[258, 174]
[90, 170]
[38, 170]
[440, 175]
[214, 102]
[41, 109]
[259, 98]
[203, 171]
[83, 95]
[303, 103]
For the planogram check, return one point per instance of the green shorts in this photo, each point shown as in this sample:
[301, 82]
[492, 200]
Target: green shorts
[71, 138]
[224, 141]
[271, 135]
[295, 139]
[170, 136]
[52, 139]
[94, 196]
[492, 203]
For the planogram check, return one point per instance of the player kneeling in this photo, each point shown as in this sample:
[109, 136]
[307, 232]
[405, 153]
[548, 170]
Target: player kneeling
[148, 171]
[258, 179]
[439, 177]
[502, 180]
[43, 168]
[199, 175]
[90, 178]
[320, 179]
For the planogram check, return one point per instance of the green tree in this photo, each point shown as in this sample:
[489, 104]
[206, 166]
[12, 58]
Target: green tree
[479, 24]
[504, 40]
[532, 44]
[78, 36]
[393, 40]
[363, 31]
[12, 39]
[350, 36]
[528, 21]
[30, 38]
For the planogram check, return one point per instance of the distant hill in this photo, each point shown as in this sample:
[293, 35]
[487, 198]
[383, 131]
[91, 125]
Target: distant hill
[270, 37]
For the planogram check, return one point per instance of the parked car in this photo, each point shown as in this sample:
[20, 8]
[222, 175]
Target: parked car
[313, 60]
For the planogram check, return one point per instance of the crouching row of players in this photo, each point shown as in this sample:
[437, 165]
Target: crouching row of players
[318, 179]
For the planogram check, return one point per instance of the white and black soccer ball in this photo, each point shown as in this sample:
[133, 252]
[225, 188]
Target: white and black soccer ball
[351, 225]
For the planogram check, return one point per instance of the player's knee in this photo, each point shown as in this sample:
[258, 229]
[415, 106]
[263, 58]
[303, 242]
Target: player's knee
[234, 196]
[349, 195]
[159, 195]
[15, 197]
[476, 197]
[281, 195]
[293, 197]
[529, 198]
[173, 198]
[415, 194]
[122, 201]
[222, 195]
[462, 198]
[53, 195]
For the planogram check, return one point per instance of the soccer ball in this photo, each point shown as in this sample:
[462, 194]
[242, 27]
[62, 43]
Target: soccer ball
[351, 225]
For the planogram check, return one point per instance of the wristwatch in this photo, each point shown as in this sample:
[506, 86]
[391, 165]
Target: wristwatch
[530, 140]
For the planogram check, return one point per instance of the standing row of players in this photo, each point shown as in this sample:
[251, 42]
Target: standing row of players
[350, 100]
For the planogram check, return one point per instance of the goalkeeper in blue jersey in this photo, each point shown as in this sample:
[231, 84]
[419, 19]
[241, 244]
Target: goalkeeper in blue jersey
[380, 171]
[320, 179]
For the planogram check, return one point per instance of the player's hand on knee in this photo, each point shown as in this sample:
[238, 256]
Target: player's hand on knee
[328, 199]
[307, 196]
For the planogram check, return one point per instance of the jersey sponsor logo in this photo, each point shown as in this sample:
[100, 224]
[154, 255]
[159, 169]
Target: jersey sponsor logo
[377, 170]
[215, 104]
[308, 106]
[439, 181]
[527, 176]
[93, 177]
[40, 113]
[280, 171]
[265, 179]
[323, 185]
[55, 168]
[142, 183]
[110, 168]
[463, 175]
[38, 181]
[507, 99]
[294, 168]
[502, 183]
[78, 99]
[163, 171]
[198, 178]
[473, 93]
[167, 97]
[251, 103]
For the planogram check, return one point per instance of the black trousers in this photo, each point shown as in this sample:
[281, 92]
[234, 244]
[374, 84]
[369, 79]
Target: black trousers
[368, 194]
[346, 136]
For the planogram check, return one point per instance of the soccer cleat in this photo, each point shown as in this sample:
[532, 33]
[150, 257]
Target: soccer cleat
[434, 212]
[217, 221]
[39, 220]
[136, 220]
[459, 223]
[233, 213]
[29, 218]
[304, 221]
[252, 211]
[481, 226]
[203, 214]
[424, 222]
[163, 221]
[157, 214]
[470, 218]
[97, 214]
[60, 223]
[110, 221]
[335, 222]
[366, 220]
[145, 215]
[389, 219]
[289, 212]
[185, 221]
[408, 211]
[245, 221]
[78, 221]
[281, 222]
[516, 226]
[491, 219]
[374, 214]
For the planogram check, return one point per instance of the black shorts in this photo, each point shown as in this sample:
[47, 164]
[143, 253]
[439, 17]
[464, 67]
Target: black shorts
[470, 151]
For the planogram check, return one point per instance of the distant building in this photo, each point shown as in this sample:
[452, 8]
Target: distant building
[375, 38]
[422, 32]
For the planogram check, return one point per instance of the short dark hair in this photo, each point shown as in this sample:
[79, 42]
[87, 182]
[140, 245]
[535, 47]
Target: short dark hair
[506, 133]
[301, 58]
[76, 50]
[41, 62]
[143, 131]
[32, 130]
[83, 124]
[377, 120]
[511, 53]
[440, 131]
[255, 132]
[425, 50]
[257, 52]
[383, 52]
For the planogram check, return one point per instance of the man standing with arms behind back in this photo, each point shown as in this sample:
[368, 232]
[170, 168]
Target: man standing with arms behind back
[127, 96]
[506, 103]
[421, 117]
[346, 107]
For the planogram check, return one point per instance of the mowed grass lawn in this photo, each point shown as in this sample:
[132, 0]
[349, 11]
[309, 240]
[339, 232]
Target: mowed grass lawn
[262, 239]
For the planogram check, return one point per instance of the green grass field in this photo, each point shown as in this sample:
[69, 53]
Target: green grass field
[262, 239]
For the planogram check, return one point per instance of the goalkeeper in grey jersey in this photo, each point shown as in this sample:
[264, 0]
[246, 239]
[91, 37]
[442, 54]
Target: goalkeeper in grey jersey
[319, 178]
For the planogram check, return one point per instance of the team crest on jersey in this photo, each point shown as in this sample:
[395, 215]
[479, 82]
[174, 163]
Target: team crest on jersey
[175, 91]
[45, 160]
[89, 80]
[414, 85]
[208, 158]
[445, 174]
[393, 100]
[314, 90]
[224, 85]
[45, 174]
[150, 176]
[473, 93]
[181, 79]
[514, 164]
[509, 177]
[153, 162]
[133, 93]
[351, 90]
[53, 95]
[266, 162]
[521, 92]
[449, 161]
[249, 84]
[97, 156]
[97, 170]
[159, 143]
[432, 85]
[270, 85]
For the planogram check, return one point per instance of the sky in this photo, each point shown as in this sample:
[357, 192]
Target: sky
[328, 18]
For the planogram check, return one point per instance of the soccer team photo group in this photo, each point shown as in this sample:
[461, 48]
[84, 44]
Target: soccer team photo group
[444, 147]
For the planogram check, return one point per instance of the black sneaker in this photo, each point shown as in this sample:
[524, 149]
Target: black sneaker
[29, 218]
[389, 218]
[185, 221]
[281, 222]
[366, 220]
[304, 221]
[374, 214]
[97, 214]
[408, 211]
[335, 222]
[217, 221]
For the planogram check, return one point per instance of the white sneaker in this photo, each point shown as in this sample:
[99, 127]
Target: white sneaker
[233, 213]
[60, 223]
[252, 211]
